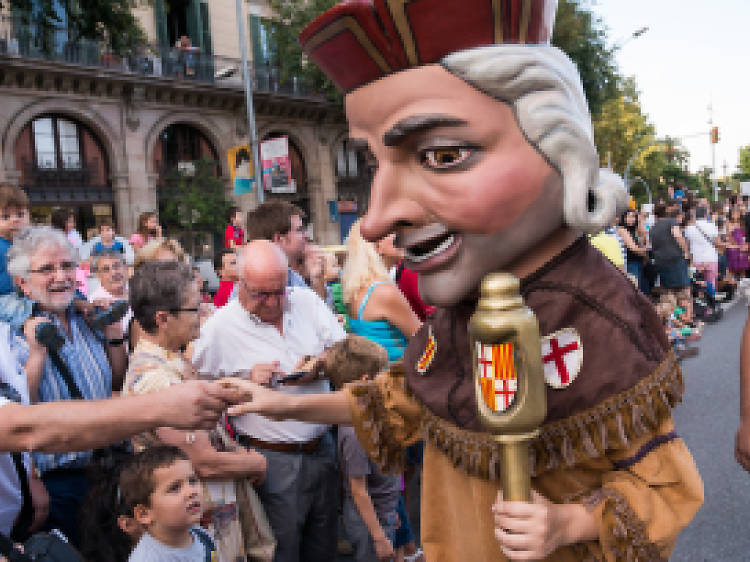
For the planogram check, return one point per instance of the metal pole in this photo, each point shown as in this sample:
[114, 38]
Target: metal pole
[249, 105]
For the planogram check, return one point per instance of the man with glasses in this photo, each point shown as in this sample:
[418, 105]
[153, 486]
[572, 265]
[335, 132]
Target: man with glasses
[111, 271]
[267, 332]
[87, 366]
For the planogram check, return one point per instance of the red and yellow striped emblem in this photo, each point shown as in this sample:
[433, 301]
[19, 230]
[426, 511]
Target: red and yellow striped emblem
[497, 375]
[429, 353]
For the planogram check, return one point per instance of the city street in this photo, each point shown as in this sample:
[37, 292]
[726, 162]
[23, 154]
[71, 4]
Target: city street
[707, 421]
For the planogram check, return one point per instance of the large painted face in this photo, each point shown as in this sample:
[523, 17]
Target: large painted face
[457, 181]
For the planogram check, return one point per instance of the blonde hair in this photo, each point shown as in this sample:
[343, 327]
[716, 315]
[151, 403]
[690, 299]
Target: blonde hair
[362, 267]
[152, 248]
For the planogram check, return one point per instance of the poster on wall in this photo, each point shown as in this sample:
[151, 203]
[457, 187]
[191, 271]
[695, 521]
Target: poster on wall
[277, 168]
[241, 169]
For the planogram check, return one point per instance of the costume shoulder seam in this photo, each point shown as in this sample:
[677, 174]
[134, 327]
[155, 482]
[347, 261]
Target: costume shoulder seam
[601, 309]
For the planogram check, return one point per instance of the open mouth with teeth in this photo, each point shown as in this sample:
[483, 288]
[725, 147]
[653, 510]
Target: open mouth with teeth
[430, 248]
[194, 507]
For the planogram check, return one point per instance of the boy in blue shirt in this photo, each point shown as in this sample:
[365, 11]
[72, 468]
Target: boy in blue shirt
[107, 239]
[14, 216]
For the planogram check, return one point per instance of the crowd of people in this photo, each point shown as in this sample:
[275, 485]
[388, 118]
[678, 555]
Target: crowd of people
[133, 319]
[688, 255]
[129, 329]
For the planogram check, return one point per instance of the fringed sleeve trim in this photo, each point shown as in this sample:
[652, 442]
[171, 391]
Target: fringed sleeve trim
[608, 426]
[623, 535]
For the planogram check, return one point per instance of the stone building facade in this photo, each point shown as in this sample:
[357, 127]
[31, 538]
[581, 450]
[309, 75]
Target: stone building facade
[97, 133]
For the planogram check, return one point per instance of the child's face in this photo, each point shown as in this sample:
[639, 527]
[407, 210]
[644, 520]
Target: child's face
[107, 233]
[176, 501]
[13, 219]
[229, 267]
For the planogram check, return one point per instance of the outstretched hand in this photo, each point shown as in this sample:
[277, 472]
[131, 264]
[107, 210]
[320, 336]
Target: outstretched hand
[195, 404]
[252, 398]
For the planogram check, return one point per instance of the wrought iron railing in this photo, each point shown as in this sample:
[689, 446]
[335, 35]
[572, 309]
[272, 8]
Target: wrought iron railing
[55, 44]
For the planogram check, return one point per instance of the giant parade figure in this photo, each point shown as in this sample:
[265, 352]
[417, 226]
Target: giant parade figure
[486, 163]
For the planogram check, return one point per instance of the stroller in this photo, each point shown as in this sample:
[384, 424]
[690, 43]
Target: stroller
[705, 307]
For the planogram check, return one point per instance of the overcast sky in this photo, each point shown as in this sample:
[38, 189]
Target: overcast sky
[695, 53]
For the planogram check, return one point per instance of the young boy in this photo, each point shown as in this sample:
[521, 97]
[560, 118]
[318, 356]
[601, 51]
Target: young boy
[14, 215]
[161, 488]
[225, 263]
[107, 239]
[371, 498]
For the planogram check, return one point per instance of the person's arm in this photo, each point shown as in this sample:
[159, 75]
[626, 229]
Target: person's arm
[210, 463]
[680, 239]
[629, 242]
[383, 546]
[742, 440]
[331, 408]
[388, 303]
[77, 425]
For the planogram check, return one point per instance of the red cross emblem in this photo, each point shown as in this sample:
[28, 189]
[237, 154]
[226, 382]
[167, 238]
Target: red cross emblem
[562, 355]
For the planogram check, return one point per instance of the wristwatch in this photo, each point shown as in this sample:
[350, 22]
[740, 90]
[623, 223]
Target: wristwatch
[115, 342]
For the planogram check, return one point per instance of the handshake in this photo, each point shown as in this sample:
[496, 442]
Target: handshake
[349, 360]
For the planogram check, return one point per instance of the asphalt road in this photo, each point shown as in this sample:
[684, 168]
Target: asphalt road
[707, 421]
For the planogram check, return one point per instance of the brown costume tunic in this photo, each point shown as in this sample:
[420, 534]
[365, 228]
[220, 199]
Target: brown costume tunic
[608, 440]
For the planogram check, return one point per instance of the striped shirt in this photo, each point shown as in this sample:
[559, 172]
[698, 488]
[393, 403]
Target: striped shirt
[86, 358]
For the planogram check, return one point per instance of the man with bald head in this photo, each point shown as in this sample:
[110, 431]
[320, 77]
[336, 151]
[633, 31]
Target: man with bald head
[266, 332]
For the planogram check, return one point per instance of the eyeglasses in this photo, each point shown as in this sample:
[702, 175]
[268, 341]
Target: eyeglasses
[265, 295]
[49, 269]
[108, 268]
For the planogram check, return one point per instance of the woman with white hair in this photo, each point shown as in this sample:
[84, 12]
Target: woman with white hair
[377, 309]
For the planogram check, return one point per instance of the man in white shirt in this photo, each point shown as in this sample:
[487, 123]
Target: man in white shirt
[109, 266]
[267, 331]
[702, 235]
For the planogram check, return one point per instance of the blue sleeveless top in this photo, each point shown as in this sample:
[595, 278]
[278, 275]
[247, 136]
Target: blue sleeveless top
[379, 331]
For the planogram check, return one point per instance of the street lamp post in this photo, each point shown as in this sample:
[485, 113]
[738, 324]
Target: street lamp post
[249, 105]
[645, 184]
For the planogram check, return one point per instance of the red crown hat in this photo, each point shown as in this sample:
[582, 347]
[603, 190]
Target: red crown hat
[359, 41]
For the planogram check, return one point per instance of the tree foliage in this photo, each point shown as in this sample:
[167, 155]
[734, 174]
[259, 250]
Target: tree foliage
[744, 163]
[582, 36]
[108, 22]
[292, 17]
[194, 202]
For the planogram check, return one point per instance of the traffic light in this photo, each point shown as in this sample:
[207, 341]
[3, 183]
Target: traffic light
[714, 135]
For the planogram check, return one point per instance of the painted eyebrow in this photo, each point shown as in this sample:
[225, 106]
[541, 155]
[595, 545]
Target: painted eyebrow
[416, 124]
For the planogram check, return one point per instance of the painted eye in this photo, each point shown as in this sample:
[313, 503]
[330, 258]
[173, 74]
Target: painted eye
[445, 158]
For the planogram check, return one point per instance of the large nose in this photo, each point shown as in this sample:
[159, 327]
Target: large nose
[61, 275]
[391, 204]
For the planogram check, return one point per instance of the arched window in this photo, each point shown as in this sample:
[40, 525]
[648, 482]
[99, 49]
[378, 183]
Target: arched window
[57, 144]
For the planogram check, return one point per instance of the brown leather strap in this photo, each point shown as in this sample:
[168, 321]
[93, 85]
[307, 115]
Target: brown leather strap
[306, 447]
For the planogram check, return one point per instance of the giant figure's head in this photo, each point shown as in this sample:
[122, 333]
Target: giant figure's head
[480, 128]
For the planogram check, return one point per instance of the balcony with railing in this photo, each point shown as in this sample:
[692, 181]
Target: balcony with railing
[18, 40]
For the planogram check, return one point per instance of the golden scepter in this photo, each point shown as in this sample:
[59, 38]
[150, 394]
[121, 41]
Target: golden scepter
[508, 377]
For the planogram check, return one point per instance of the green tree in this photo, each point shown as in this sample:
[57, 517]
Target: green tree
[582, 36]
[744, 164]
[194, 202]
[621, 129]
[108, 22]
[293, 16]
